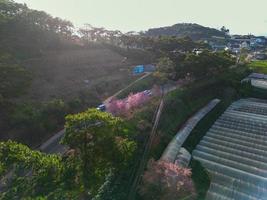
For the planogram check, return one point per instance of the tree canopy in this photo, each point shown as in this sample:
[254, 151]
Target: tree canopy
[99, 144]
[100, 141]
[23, 28]
[196, 65]
[14, 79]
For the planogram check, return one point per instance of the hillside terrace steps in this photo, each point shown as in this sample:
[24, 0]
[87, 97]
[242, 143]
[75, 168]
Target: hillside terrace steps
[234, 151]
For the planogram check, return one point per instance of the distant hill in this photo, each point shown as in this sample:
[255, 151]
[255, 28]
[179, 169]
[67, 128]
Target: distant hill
[194, 31]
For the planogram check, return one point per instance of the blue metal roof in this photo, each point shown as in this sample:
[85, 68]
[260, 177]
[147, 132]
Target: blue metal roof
[139, 69]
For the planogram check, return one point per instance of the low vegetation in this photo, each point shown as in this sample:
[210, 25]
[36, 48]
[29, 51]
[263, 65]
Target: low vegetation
[258, 66]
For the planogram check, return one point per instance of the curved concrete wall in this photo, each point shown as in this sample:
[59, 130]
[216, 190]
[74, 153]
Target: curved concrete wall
[174, 146]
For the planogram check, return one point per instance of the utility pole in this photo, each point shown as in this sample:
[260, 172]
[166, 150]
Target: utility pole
[144, 158]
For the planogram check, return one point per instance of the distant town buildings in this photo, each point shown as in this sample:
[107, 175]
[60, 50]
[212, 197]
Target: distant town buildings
[236, 43]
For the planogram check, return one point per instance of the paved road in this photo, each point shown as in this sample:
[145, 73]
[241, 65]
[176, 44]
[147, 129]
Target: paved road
[53, 144]
[130, 85]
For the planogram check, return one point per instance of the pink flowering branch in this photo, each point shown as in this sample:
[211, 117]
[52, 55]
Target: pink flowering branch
[124, 106]
[167, 181]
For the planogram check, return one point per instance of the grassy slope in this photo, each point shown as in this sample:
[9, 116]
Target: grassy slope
[259, 66]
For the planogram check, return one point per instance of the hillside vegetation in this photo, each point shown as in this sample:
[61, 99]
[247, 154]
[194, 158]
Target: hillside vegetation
[194, 31]
[50, 76]
[46, 73]
[259, 66]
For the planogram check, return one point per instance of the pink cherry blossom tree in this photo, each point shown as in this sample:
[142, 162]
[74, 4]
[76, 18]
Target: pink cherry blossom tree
[164, 180]
[124, 106]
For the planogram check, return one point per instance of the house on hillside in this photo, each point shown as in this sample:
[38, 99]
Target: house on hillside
[245, 45]
[234, 47]
[260, 56]
[260, 41]
[217, 47]
[241, 38]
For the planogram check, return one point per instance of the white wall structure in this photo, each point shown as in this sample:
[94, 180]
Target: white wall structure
[234, 151]
[257, 80]
[171, 152]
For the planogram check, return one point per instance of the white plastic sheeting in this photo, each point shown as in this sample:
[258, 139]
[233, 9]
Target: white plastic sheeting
[234, 151]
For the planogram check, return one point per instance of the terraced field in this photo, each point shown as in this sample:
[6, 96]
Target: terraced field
[234, 151]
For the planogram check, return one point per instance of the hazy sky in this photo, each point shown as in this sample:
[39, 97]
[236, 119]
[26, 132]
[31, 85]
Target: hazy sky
[240, 16]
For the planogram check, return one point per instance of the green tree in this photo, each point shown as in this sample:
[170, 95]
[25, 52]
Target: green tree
[225, 30]
[165, 70]
[31, 174]
[206, 63]
[100, 143]
[23, 28]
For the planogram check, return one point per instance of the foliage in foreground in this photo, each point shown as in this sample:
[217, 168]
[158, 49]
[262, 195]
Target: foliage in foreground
[99, 147]
[100, 142]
